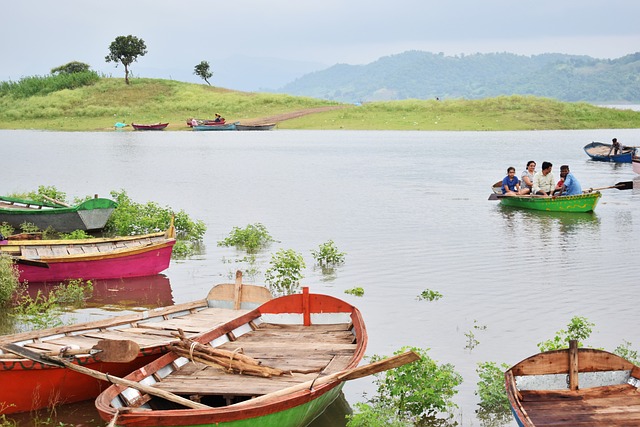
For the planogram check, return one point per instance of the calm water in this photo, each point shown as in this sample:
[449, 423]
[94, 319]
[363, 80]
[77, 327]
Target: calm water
[410, 209]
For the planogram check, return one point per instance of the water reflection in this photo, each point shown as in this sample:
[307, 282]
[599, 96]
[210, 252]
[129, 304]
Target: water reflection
[545, 222]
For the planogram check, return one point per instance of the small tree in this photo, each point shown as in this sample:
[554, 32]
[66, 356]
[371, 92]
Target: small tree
[125, 50]
[203, 70]
[71, 68]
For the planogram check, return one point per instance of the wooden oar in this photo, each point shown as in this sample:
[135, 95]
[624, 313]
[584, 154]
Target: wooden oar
[31, 262]
[62, 363]
[118, 351]
[346, 375]
[624, 185]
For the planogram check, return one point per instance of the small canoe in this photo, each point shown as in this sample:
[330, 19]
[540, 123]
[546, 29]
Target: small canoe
[89, 215]
[35, 385]
[266, 126]
[295, 339]
[200, 122]
[635, 164]
[574, 387]
[603, 153]
[580, 203]
[225, 126]
[153, 126]
[99, 258]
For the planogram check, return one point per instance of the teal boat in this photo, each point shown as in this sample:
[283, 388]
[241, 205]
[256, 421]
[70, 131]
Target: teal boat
[89, 215]
[580, 203]
[279, 365]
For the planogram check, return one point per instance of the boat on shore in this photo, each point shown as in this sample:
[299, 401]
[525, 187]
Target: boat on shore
[35, 385]
[286, 358]
[153, 126]
[90, 215]
[574, 387]
[602, 152]
[264, 126]
[223, 126]
[199, 122]
[87, 259]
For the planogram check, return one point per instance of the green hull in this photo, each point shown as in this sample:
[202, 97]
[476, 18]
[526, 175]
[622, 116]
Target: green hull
[580, 203]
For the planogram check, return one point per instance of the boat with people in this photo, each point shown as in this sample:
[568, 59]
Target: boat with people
[90, 215]
[153, 126]
[87, 259]
[602, 152]
[279, 365]
[574, 386]
[36, 385]
[585, 202]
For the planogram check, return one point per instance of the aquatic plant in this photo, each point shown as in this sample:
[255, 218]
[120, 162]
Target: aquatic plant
[251, 238]
[285, 272]
[328, 254]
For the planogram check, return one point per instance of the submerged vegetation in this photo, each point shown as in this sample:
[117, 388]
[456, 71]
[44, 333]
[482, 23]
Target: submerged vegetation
[83, 101]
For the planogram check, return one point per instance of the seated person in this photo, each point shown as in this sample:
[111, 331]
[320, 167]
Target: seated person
[571, 185]
[544, 182]
[218, 118]
[526, 179]
[511, 183]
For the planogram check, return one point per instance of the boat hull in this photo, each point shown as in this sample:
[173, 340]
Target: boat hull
[145, 261]
[156, 126]
[92, 214]
[600, 152]
[269, 126]
[226, 126]
[580, 203]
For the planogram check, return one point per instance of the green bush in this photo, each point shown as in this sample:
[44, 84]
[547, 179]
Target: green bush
[251, 238]
[328, 254]
[579, 328]
[285, 272]
[9, 280]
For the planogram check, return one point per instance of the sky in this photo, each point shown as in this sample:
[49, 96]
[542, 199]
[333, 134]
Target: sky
[246, 42]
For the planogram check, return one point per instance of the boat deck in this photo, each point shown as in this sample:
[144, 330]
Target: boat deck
[612, 406]
[303, 352]
[35, 251]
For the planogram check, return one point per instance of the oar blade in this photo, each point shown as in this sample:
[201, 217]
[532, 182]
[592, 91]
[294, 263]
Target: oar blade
[30, 354]
[625, 185]
[119, 351]
[31, 262]
[380, 366]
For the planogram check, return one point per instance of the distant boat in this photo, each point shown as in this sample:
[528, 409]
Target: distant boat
[199, 122]
[89, 215]
[574, 387]
[154, 126]
[266, 126]
[603, 153]
[226, 126]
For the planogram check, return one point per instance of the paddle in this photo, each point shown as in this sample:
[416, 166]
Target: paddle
[118, 351]
[31, 262]
[62, 363]
[346, 375]
[624, 185]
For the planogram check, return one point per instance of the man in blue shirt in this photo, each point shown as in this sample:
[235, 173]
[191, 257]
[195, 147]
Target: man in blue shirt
[571, 185]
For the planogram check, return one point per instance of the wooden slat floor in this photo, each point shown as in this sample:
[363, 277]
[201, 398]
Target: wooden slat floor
[611, 406]
[297, 350]
[34, 251]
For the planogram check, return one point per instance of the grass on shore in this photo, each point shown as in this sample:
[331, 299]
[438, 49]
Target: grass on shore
[110, 100]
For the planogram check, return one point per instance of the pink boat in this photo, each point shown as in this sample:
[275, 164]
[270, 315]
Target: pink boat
[100, 258]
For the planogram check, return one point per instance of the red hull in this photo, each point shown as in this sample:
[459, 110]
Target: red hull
[141, 263]
[156, 126]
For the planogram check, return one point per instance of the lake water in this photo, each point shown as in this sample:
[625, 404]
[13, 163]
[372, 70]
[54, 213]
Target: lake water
[410, 209]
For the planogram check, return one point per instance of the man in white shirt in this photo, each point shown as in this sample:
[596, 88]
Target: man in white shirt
[543, 181]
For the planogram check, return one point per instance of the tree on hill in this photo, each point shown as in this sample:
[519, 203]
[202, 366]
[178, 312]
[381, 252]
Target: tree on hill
[202, 70]
[125, 50]
[71, 68]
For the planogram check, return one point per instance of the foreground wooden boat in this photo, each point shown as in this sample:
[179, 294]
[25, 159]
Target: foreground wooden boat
[224, 126]
[89, 215]
[603, 153]
[35, 385]
[580, 203]
[99, 258]
[574, 387]
[154, 126]
[296, 339]
[265, 126]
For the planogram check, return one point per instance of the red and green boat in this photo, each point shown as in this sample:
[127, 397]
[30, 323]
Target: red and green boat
[585, 202]
[303, 341]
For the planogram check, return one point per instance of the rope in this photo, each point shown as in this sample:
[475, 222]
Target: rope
[191, 349]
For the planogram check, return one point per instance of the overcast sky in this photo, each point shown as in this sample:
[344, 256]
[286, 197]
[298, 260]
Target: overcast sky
[37, 35]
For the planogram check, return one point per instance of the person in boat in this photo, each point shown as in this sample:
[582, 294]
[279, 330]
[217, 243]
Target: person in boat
[571, 186]
[526, 178]
[615, 147]
[511, 183]
[218, 118]
[543, 181]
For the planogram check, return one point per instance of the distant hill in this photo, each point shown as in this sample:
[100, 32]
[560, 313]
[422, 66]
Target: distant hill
[424, 75]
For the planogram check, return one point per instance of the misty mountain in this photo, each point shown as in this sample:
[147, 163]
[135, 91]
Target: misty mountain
[424, 75]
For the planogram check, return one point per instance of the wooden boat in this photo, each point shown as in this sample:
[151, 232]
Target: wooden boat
[574, 387]
[602, 152]
[154, 126]
[89, 215]
[635, 164]
[296, 339]
[266, 126]
[35, 385]
[585, 202]
[225, 126]
[99, 258]
[200, 122]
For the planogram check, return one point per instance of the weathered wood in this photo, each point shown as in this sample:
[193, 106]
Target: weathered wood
[573, 365]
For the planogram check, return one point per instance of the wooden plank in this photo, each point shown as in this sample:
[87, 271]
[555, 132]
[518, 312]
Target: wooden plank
[59, 251]
[344, 337]
[79, 340]
[89, 249]
[142, 340]
[331, 327]
[29, 252]
[573, 364]
[44, 251]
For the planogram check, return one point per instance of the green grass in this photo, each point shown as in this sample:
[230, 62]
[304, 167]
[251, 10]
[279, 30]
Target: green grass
[100, 105]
